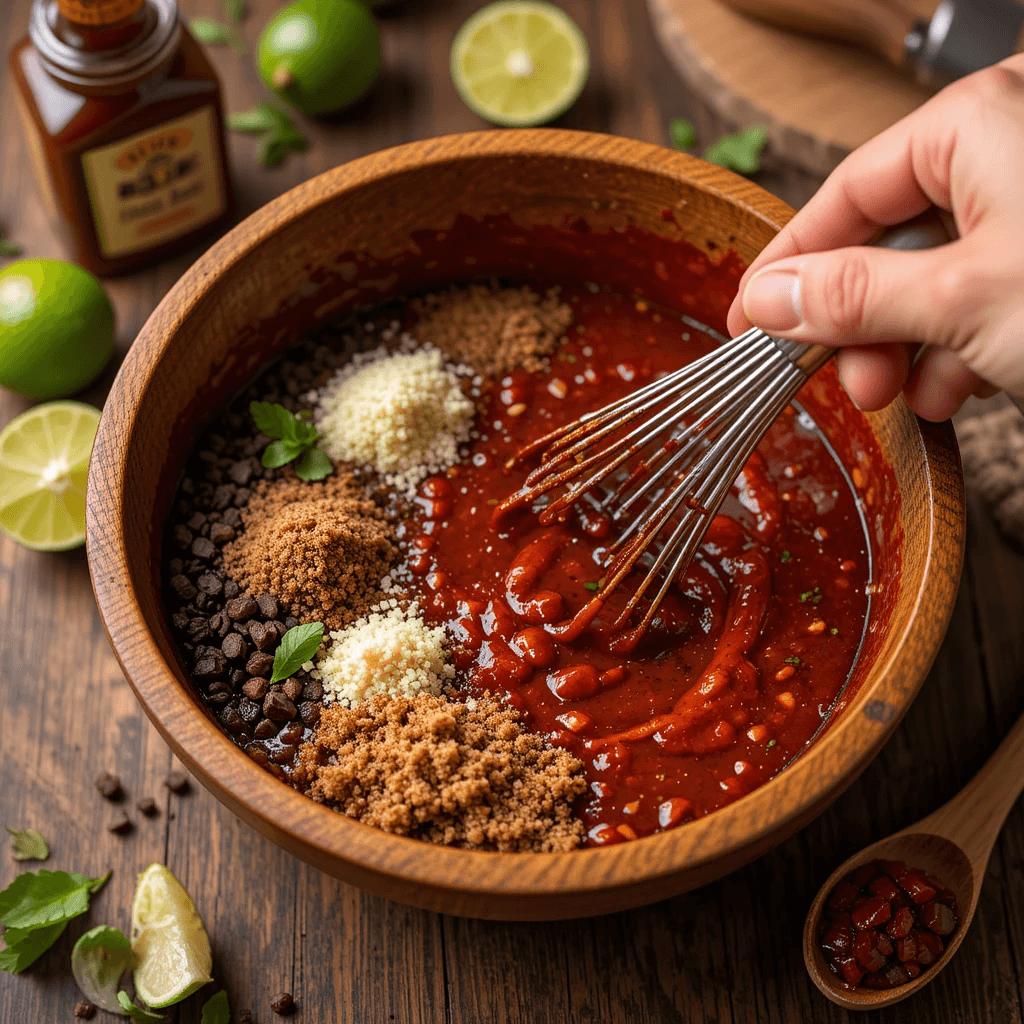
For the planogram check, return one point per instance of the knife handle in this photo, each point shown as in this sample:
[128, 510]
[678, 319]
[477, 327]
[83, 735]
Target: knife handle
[880, 26]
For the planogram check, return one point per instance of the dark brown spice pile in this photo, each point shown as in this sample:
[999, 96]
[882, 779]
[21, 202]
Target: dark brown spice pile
[494, 330]
[992, 450]
[319, 548]
[466, 775]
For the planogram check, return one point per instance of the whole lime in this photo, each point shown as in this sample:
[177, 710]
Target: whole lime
[320, 55]
[56, 328]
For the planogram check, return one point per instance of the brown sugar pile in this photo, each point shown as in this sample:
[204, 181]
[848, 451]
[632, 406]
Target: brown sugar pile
[494, 330]
[321, 549]
[992, 450]
[464, 775]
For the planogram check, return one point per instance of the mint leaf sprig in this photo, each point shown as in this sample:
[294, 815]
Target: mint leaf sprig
[291, 438]
[297, 646]
[36, 908]
[98, 960]
[216, 1009]
[277, 132]
[28, 844]
[137, 1013]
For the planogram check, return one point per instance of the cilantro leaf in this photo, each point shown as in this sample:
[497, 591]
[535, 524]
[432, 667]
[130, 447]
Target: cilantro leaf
[270, 418]
[740, 152]
[681, 133]
[33, 900]
[280, 453]
[793, 660]
[26, 945]
[234, 9]
[279, 134]
[771, 743]
[297, 646]
[137, 1014]
[275, 147]
[28, 844]
[814, 595]
[209, 31]
[98, 960]
[314, 465]
[592, 586]
[785, 557]
[216, 1009]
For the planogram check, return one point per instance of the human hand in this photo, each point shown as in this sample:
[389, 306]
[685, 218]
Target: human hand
[962, 151]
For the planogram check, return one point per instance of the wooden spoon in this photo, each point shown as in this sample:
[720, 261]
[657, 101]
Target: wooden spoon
[952, 845]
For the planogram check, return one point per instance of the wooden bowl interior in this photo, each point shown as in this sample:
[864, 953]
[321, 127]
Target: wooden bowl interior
[545, 205]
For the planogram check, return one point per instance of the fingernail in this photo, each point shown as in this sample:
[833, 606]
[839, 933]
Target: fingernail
[771, 300]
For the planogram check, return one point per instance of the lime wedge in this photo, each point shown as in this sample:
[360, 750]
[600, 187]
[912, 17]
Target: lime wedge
[169, 940]
[44, 462]
[519, 62]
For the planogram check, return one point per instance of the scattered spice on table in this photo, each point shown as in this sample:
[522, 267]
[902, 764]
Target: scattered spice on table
[177, 782]
[463, 774]
[109, 786]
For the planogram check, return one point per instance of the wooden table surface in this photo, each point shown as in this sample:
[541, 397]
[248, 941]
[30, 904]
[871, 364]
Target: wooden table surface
[728, 953]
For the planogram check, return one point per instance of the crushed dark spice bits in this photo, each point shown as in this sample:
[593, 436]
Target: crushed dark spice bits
[467, 775]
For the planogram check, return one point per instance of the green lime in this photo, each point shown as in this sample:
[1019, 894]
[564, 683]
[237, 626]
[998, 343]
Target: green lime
[320, 55]
[44, 463]
[56, 328]
[168, 939]
[519, 62]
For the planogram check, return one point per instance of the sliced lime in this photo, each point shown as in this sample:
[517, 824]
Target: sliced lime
[44, 463]
[519, 62]
[169, 940]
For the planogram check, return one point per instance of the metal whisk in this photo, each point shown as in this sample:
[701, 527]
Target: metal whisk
[671, 451]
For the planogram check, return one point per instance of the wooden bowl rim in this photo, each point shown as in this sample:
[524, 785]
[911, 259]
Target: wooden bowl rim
[797, 793]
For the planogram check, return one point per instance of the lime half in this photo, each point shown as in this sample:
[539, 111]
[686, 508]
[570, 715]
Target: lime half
[44, 463]
[169, 940]
[519, 62]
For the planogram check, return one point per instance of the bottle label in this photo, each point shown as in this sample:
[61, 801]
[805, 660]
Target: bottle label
[156, 186]
[98, 12]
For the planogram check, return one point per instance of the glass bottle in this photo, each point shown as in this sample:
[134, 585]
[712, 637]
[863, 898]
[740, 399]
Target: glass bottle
[124, 121]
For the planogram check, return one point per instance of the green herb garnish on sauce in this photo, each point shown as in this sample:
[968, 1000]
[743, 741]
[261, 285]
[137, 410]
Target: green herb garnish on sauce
[814, 595]
[785, 556]
[793, 660]
[592, 586]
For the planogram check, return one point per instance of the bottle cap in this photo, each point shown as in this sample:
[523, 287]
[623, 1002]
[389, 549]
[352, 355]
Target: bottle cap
[95, 13]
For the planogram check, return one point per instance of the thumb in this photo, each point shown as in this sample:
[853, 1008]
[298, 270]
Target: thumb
[855, 296]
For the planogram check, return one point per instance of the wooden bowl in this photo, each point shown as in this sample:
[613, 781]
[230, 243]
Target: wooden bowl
[348, 238]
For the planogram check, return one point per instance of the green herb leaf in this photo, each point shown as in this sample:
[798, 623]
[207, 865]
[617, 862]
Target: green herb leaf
[785, 556]
[98, 960]
[793, 660]
[592, 586]
[33, 900]
[834, 631]
[771, 743]
[216, 1009]
[234, 9]
[9, 248]
[275, 146]
[28, 844]
[26, 945]
[262, 118]
[297, 646]
[139, 1015]
[209, 31]
[740, 152]
[681, 133]
[271, 419]
[280, 453]
[814, 595]
[314, 465]
[97, 883]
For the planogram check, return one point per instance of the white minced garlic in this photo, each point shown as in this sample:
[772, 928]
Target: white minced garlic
[403, 413]
[389, 651]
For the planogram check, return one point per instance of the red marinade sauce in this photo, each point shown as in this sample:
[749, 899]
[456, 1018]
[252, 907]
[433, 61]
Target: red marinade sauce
[884, 923]
[747, 654]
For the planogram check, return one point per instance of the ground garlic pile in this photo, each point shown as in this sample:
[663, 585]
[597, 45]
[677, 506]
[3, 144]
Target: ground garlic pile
[402, 413]
[390, 652]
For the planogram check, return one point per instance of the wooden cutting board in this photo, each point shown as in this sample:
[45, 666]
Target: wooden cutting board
[818, 99]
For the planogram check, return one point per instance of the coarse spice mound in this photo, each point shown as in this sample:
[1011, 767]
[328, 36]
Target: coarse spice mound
[459, 774]
[322, 549]
[494, 330]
